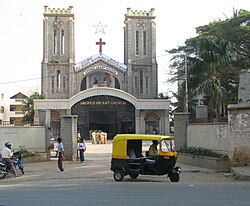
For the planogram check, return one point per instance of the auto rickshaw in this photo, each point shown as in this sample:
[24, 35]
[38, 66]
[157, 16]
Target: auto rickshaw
[130, 156]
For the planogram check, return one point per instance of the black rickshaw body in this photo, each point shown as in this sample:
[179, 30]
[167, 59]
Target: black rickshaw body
[130, 156]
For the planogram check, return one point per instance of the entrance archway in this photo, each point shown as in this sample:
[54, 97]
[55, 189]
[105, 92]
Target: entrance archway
[107, 113]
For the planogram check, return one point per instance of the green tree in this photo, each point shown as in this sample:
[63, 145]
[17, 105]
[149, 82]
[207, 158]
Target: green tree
[28, 107]
[236, 31]
[215, 58]
[207, 68]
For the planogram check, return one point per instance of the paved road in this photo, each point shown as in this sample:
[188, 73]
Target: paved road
[92, 183]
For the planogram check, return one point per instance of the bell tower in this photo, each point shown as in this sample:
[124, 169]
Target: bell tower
[58, 53]
[141, 79]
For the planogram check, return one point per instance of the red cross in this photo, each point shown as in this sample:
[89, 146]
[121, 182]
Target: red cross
[100, 43]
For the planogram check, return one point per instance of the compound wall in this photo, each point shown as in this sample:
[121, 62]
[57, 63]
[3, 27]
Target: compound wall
[31, 138]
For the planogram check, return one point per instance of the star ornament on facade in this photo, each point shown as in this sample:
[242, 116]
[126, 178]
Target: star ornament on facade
[99, 28]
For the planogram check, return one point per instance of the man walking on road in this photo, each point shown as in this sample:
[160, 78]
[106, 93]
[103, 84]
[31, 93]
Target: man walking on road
[60, 153]
[82, 148]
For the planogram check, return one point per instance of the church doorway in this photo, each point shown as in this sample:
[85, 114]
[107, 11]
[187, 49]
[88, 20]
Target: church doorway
[109, 114]
[105, 121]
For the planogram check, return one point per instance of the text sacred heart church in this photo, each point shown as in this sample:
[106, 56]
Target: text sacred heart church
[99, 92]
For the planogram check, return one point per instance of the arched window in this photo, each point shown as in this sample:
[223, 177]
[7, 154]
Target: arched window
[152, 123]
[136, 85]
[52, 84]
[117, 84]
[83, 84]
[55, 41]
[137, 42]
[141, 82]
[62, 42]
[147, 86]
[64, 84]
[144, 42]
[58, 80]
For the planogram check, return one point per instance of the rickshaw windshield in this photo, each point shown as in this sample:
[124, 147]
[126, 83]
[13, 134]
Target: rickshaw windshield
[167, 145]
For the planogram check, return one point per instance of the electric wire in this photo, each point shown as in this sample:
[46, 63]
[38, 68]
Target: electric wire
[37, 78]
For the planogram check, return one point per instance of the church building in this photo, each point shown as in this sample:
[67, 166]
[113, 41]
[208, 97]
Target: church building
[101, 92]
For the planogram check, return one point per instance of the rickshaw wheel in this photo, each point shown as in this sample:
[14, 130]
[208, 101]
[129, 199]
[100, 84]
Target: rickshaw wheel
[134, 176]
[174, 177]
[118, 175]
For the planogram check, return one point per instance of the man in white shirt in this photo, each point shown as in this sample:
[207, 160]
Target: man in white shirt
[82, 148]
[60, 153]
[6, 156]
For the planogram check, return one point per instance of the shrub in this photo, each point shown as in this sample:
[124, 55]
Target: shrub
[201, 152]
[26, 153]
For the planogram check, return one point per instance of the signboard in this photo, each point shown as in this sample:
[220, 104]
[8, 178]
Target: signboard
[96, 57]
[102, 103]
[91, 69]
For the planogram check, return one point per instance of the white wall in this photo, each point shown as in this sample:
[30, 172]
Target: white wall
[210, 136]
[31, 138]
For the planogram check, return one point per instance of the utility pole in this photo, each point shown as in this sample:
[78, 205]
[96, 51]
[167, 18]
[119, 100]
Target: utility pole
[185, 105]
[185, 109]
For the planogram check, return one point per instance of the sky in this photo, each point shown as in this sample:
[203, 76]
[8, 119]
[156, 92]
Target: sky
[22, 33]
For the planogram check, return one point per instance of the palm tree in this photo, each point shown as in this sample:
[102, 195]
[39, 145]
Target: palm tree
[220, 52]
[207, 69]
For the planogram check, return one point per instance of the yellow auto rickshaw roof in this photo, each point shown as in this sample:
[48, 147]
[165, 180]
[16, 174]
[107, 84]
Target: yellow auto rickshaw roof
[119, 149]
[140, 137]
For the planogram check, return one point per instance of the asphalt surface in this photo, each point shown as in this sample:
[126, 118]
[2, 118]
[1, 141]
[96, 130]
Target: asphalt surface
[92, 183]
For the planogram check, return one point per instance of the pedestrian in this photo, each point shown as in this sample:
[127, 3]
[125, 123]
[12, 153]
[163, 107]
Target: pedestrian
[155, 132]
[82, 149]
[60, 153]
[6, 156]
[153, 151]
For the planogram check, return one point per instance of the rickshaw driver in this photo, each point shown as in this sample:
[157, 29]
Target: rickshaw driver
[153, 151]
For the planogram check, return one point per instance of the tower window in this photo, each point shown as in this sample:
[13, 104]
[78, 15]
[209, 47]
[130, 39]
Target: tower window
[137, 43]
[55, 41]
[58, 80]
[141, 82]
[147, 85]
[136, 85]
[52, 84]
[144, 42]
[64, 84]
[62, 42]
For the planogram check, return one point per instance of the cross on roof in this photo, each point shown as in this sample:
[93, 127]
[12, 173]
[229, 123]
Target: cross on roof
[100, 43]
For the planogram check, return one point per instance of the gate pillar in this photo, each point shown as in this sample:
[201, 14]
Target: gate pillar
[181, 120]
[69, 136]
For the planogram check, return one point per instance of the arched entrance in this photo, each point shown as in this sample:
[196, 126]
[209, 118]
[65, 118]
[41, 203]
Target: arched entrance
[106, 113]
[152, 123]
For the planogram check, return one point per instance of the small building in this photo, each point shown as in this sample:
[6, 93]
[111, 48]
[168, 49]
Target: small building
[2, 103]
[16, 111]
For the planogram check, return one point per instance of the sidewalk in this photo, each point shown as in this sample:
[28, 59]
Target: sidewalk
[241, 173]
